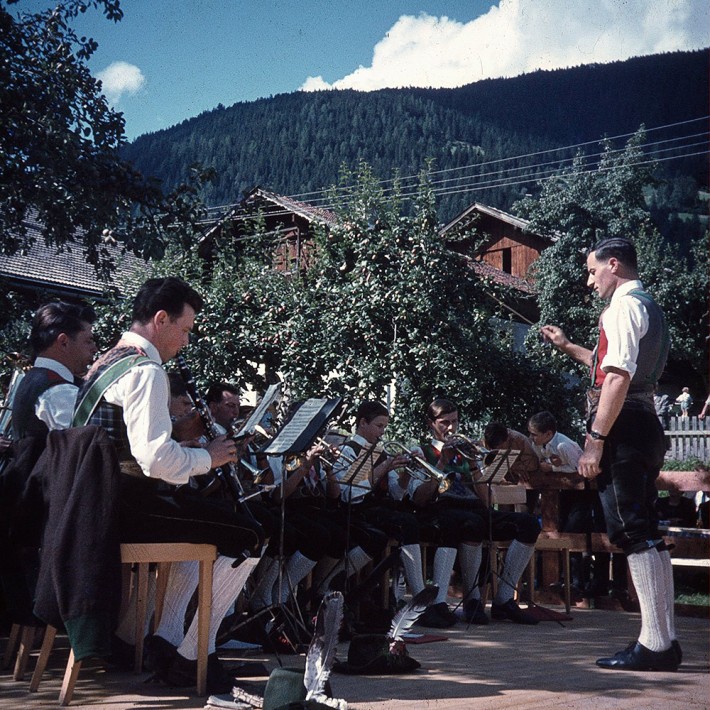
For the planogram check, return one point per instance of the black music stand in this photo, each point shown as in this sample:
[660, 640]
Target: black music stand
[498, 463]
[303, 425]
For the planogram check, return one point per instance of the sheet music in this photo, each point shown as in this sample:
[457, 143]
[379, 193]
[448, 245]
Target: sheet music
[271, 394]
[303, 427]
[498, 469]
[361, 468]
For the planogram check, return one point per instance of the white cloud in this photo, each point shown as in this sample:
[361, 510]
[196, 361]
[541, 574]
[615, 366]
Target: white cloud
[120, 78]
[519, 36]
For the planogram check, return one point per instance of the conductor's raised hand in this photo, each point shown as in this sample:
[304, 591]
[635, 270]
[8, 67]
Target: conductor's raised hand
[222, 450]
[555, 335]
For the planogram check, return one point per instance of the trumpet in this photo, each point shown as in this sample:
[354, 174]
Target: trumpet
[422, 470]
[466, 447]
[257, 474]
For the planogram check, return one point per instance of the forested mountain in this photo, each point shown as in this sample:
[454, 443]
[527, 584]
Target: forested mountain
[297, 143]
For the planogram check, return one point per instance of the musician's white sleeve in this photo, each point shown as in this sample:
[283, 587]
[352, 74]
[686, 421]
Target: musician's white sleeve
[55, 406]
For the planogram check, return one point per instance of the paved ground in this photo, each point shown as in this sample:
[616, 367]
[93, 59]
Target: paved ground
[498, 666]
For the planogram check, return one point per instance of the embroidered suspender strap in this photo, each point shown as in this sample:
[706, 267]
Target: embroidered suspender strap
[86, 406]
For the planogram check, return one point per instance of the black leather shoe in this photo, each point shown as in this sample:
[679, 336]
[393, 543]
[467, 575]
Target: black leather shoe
[474, 612]
[437, 616]
[639, 658]
[678, 650]
[159, 654]
[510, 610]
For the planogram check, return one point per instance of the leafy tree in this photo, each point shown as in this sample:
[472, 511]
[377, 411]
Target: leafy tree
[580, 207]
[60, 141]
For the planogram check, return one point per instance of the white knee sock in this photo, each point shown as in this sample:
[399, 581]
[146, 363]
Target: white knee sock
[470, 563]
[261, 596]
[411, 556]
[182, 582]
[669, 592]
[227, 583]
[516, 560]
[444, 559]
[355, 560]
[648, 576]
[296, 568]
[126, 630]
[322, 571]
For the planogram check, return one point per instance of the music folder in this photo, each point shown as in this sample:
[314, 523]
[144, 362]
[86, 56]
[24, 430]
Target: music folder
[497, 469]
[270, 396]
[303, 426]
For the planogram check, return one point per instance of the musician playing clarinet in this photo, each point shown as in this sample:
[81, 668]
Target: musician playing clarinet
[134, 410]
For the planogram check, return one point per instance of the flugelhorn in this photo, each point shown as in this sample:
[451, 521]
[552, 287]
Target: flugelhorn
[466, 447]
[421, 468]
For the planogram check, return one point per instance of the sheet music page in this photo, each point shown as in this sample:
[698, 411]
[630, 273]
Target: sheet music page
[299, 431]
[361, 468]
[257, 415]
[498, 469]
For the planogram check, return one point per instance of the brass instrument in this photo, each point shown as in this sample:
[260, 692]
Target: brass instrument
[422, 470]
[466, 447]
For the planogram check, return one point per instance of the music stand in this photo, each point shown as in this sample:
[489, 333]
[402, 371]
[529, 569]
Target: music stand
[498, 463]
[301, 428]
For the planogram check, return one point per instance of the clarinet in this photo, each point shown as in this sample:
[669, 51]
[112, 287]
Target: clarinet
[226, 474]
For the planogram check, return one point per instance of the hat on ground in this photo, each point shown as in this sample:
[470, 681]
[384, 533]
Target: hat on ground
[285, 690]
[376, 654]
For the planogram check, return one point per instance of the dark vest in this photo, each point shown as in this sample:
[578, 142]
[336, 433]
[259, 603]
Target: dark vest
[24, 420]
[653, 350]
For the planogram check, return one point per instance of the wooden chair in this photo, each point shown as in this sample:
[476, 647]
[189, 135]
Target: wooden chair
[143, 555]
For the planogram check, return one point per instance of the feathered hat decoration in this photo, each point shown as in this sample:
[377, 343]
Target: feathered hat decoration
[321, 652]
[407, 616]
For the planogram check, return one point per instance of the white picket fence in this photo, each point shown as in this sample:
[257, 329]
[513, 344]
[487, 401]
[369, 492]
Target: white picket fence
[689, 437]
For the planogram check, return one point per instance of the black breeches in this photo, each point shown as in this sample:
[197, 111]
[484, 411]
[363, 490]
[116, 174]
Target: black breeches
[150, 512]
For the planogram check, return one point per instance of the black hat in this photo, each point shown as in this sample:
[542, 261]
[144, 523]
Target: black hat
[376, 654]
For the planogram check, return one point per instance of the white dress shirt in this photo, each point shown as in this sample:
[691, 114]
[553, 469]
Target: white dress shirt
[563, 447]
[144, 394]
[625, 322]
[55, 406]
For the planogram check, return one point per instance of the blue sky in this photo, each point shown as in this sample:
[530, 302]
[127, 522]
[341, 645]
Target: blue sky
[168, 60]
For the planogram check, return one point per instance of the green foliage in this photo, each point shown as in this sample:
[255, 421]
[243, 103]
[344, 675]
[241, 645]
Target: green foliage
[60, 142]
[690, 464]
[582, 206]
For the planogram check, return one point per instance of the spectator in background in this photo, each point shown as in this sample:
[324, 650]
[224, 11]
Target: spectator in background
[557, 452]
[662, 404]
[704, 410]
[676, 510]
[685, 401]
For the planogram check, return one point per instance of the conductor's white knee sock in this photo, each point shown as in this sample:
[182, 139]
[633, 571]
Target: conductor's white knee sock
[261, 596]
[648, 576]
[126, 630]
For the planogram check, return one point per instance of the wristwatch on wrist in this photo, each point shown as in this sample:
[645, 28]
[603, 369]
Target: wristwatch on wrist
[596, 435]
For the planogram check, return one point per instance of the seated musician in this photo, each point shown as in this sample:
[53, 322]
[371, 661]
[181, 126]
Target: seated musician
[522, 528]
[365, 501]
[134, 411]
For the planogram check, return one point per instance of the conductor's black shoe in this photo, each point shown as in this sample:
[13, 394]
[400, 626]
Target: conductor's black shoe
[510, 610]
[474, 613]
[639, 658]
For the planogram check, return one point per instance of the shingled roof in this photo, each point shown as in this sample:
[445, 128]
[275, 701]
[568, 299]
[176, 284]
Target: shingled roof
[65, 272]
